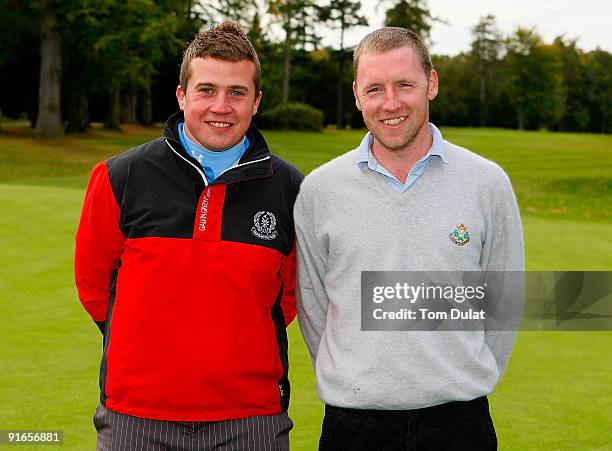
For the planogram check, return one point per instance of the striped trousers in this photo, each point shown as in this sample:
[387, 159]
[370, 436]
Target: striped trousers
[119, 432]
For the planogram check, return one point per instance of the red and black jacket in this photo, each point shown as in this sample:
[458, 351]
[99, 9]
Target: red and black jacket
[191, 282]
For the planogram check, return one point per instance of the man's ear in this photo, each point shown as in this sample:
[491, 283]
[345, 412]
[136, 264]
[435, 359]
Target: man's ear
[357, 104]
[180, 97]
[432, 90]
[256, 104]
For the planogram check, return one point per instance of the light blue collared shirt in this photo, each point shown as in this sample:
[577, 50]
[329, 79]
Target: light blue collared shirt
[214, 163]
[367, 157]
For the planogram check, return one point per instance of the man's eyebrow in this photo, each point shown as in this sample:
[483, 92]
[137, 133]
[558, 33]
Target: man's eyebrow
[403, 80]
[370, 85]
[206, 84]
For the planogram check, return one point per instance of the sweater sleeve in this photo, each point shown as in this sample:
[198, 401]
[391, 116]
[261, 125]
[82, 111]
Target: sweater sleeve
[503, 256]
[98, 246]
[312, 301]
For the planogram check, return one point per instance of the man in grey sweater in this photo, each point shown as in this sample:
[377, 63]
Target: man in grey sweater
[404, 200]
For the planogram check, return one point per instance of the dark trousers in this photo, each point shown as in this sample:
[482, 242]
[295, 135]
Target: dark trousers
[119, 432]
[461, 425]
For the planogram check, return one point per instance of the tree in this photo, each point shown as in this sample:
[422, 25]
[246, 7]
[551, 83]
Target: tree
[19, 58]
[284, 11]
[235, 10]
[487, 45]
[49, 122]
[575, 112]
[256, 34]
[411, 14]
[305, 29]
[599, 98]
[533, 80]
[126, 47]
[456, 101]
[297, 18]
[342, 14]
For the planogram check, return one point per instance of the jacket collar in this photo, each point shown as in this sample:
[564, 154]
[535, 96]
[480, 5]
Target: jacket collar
[254, 164]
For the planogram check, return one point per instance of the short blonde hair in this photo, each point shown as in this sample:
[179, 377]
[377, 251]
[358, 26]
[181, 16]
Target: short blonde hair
[226, 42]
[390, 38]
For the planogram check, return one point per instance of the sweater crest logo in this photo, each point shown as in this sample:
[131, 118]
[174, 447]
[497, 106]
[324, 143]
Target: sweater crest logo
[264, 225]
[460, 236]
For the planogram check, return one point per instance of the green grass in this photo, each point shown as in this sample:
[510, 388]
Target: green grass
[555, 394]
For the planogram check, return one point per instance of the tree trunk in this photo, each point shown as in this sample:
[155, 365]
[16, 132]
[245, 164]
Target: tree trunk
[483, 99]
[287, 63]
[128, 106]
[339, 99]
[147, 103]
[340, 85]
[114, 111]
[521, 120]
[49, 118]
[78, 112]
[32, 118]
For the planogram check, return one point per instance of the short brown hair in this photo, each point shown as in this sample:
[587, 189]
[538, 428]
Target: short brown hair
[390, 38]
[226, 42]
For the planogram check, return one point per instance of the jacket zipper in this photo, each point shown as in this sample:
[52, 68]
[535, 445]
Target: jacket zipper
[194, 166]
[227, 170]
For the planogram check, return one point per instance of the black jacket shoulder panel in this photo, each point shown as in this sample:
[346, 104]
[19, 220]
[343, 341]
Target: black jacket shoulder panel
[155, 189]
[119, 166]
[285, 169]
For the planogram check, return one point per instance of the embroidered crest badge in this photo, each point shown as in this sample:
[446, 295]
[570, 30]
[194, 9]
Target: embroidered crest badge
[460, 236]
[264, 225]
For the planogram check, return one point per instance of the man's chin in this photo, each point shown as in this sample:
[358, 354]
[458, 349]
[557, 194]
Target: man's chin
[396, 143]
[221, 145]
[396, 146]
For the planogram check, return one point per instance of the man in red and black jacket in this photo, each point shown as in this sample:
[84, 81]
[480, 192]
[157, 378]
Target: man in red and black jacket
[185, 259]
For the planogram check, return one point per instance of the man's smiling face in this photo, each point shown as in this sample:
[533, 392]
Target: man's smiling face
[393, 92]
[219, 101]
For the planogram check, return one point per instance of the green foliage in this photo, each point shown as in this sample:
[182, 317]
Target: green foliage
[534, 83]
[486, 48]
[19, 57]
[343, 14]
[216, 11]
[292, 116]
[487, 44]
[599, 90]
[18, 19]
[517, 81]
[457, 99]
[521, 82]
[575, 114]
[256, 34]
[118, 41]
[299, 19]
[411, 14]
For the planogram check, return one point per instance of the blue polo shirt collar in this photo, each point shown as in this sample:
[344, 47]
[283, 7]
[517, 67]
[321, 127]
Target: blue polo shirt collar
[367, 159]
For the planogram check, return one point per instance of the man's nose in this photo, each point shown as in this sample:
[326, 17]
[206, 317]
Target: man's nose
[221, 104]
[391, 101]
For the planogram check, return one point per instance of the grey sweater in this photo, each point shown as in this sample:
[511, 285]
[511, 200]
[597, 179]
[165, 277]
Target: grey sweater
[349, 219]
